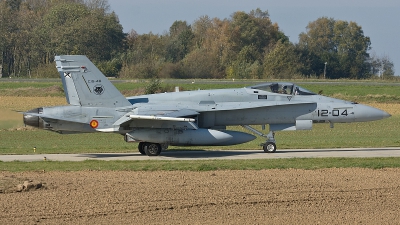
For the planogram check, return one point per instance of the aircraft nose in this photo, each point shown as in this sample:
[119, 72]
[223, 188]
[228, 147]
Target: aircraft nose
[367, 113]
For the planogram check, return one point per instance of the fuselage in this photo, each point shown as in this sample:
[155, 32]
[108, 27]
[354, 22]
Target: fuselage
[249, 106]
[216, 109]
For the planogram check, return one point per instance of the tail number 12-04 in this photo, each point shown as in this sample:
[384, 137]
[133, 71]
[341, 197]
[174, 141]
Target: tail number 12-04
[335, 112]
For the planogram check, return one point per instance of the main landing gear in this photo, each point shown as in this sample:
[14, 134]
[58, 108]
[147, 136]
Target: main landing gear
[269, 146]
[151, 149]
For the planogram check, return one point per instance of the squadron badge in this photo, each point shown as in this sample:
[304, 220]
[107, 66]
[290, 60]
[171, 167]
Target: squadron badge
[98, 89]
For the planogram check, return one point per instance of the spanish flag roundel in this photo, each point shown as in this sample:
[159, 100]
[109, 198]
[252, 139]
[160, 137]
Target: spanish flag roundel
[94, 124]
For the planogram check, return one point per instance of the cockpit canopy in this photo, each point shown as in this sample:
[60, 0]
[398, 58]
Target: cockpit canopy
[282, 88]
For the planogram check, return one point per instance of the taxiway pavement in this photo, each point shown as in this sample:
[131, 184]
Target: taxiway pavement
[212, 155]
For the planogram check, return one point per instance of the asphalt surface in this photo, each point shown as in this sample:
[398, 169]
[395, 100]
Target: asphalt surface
[212, 155]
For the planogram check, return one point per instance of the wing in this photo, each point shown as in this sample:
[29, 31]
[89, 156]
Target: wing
[156, 117]
[171, 116]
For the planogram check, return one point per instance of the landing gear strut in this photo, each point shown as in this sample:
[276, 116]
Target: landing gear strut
[269, 146]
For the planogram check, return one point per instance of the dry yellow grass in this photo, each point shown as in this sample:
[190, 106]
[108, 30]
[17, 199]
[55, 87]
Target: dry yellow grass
[391, 108]
[9, 119]
[27, 103]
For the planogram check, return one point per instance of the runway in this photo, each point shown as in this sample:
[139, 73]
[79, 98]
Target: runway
[213, 155]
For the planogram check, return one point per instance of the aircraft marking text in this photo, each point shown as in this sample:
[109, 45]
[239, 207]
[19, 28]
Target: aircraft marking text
[335, 112]
[94, 81]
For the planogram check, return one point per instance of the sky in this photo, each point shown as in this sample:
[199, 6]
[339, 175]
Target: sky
[380, 20]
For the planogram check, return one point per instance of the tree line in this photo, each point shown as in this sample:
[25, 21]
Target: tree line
[246, 45]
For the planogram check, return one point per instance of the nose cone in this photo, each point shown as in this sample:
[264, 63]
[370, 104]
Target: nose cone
[367, 113]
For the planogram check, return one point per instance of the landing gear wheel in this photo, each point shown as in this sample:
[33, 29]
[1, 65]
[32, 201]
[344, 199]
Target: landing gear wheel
[269, 147]
[141, 148]
[152, 149]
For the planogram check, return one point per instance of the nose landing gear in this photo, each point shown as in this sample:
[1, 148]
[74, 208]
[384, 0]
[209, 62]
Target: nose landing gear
[269, 146]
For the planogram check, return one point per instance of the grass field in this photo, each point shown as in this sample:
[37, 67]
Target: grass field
[382, 133]
[202, 165]
[22, 96]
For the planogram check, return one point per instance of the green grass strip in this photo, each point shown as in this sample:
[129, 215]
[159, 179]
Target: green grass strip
[202, 165]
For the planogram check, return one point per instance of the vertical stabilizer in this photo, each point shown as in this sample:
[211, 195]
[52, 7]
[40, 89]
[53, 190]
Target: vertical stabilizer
[85, 85]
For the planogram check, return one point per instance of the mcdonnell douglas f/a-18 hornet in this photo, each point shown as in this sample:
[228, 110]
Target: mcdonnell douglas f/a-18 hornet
[188, 118]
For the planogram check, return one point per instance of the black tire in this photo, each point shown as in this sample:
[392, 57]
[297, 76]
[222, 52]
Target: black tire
[269, 147]
[152, 149]
[141, 148]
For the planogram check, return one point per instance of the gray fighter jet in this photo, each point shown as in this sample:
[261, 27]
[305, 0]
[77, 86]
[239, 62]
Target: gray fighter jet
[188, 118]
